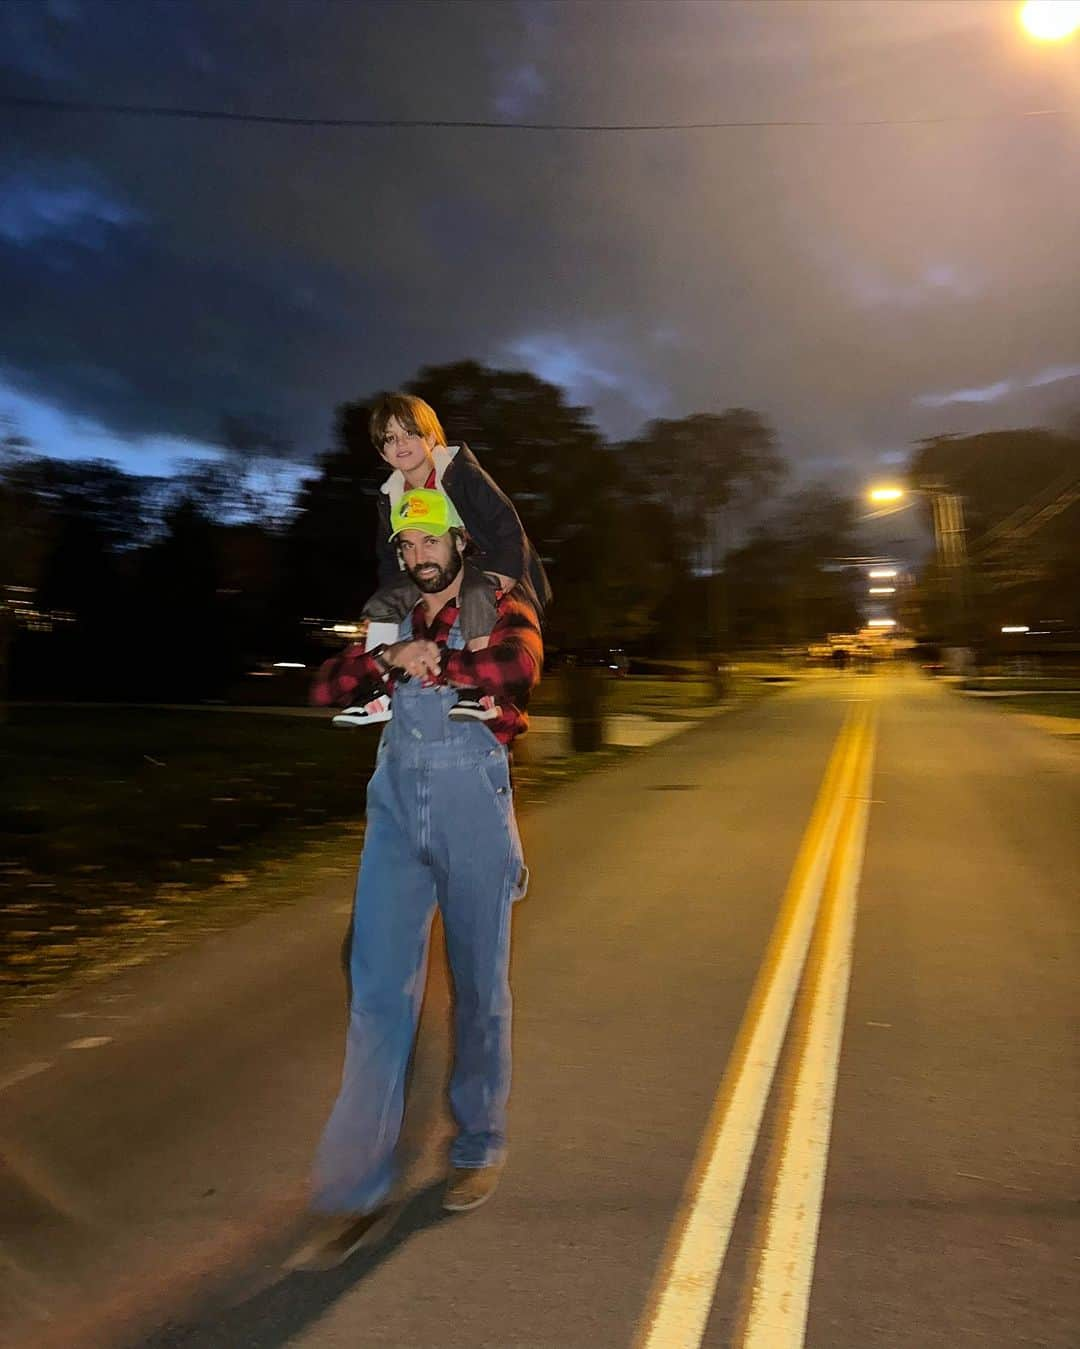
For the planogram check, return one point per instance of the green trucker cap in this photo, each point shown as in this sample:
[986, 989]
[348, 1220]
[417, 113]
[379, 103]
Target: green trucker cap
[424, 508]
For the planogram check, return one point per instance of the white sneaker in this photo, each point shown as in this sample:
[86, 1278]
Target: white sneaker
[366, 714]
[474, 706]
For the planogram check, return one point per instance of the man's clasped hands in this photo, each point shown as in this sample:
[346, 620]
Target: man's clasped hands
[418, 658]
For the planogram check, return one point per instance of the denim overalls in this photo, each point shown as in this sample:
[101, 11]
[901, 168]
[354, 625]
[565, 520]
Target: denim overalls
[440, 829]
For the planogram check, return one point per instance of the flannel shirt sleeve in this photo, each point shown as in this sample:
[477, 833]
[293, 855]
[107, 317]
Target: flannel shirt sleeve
[510, 665]
[337, 679]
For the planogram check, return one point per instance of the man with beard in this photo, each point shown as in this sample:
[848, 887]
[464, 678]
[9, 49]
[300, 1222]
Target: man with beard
[440, 830]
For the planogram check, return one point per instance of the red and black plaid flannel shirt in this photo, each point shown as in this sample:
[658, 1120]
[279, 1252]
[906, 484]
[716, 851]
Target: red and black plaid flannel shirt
[508, 668]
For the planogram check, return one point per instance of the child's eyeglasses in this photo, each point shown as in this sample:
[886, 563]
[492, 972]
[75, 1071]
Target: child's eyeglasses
[390, 440]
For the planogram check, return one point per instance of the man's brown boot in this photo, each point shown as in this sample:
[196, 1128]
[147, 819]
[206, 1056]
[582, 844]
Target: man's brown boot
[467, 1187]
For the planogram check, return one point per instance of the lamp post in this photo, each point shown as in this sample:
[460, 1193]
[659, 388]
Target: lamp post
[950, 540]
[717, 597]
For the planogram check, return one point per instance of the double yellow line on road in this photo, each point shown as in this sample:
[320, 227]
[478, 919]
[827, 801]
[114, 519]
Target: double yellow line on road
[819, 903]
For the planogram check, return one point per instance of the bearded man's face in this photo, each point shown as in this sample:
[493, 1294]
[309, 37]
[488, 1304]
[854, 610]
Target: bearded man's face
[432, 560]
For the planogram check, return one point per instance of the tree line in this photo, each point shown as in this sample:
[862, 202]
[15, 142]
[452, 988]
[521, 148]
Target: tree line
[1019, 490]
[687, 539]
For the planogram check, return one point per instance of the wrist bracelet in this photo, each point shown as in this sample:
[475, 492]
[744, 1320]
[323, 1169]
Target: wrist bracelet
[378, 655]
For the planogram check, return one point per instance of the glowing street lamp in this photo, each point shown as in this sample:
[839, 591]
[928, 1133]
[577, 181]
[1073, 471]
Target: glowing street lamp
[948, 514]
[882, 573]
[1050, 20]
[882, 623]
[882, 590]
[1016, 627]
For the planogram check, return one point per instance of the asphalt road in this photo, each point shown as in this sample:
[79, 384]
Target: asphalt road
[156, 1129]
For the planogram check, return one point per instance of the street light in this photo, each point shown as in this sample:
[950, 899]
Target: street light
[882, 573]
[948, 513]
[882, 623]
[1016, 627]
[1050, 20]
[882, 590]
[947, 510]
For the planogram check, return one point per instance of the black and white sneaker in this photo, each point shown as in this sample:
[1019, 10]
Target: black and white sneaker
[472, 705]
[365, 714]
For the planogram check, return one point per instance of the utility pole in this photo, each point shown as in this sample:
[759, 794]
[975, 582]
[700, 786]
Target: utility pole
[947, 509]
[717, 596]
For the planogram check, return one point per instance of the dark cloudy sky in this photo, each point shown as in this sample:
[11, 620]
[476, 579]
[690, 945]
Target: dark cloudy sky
[860, 286]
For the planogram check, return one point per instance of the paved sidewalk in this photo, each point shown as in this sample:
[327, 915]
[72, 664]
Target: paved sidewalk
[625, 729]
[1062, 726]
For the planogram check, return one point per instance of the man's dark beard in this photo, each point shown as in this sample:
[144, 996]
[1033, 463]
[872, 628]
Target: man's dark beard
[433, 584]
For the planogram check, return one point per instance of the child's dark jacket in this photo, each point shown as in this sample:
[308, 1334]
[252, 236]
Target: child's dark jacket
[486, 511]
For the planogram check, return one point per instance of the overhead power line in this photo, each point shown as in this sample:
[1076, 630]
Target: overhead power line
[1032, 515]
[386, 123]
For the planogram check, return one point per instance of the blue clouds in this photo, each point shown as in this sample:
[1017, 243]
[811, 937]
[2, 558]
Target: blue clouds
[52, 431]
[600, 372]
[861, 287]
[935, 283]
[518, 56]
[59, 205]
[519, 91]
[1002, 388]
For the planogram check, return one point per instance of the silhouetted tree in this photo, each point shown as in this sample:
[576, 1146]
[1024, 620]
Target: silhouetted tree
[330, 540]
[90, 520]
[256, 456]
[549, 458]
[183, 645]
[1020, 490]
[545, 453]
[784, 582]
[91, 491]
[25, 529]
[609, 546]
[702, 466]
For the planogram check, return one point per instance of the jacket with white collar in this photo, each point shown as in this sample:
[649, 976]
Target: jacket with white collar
[487, 513]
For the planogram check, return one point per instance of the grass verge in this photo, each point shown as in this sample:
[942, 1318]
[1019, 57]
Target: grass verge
[1019, 684]
[1064, 705]
[128, 832]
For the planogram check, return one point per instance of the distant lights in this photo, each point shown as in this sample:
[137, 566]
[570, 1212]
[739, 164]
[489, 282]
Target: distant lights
[289, 665]
[882, 573]
[882, 623]
[882, 590]
[885, 494]
[1016, 627]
